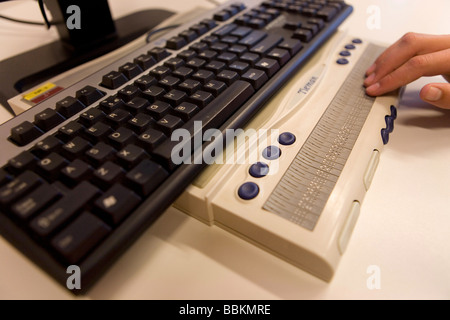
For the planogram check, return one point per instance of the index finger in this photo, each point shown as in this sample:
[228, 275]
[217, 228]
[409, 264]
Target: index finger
[410, 45]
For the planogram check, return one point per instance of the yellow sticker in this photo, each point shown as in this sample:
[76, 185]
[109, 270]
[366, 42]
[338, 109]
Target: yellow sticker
[46, 87]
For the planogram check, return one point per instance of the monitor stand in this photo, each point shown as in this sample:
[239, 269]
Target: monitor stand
[23, 72]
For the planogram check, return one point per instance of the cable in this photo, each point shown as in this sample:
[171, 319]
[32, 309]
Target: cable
[36, 23]
[153, 32]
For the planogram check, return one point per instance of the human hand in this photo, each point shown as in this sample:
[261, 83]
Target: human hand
[411, 57]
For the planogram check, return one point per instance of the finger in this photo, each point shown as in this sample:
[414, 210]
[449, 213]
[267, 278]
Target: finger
[404, 49]
[437, 94]
[424, 65]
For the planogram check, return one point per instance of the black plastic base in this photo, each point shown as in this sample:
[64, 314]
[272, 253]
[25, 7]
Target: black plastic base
[24, 71]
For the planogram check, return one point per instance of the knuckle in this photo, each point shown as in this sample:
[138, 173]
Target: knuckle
[418, 62]
[409, 39]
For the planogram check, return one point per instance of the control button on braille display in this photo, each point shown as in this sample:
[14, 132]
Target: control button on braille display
[248, 191]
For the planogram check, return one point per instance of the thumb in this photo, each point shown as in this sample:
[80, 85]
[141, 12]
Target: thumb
[437, 94]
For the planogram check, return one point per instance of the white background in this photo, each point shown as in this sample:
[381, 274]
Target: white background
[403, 228]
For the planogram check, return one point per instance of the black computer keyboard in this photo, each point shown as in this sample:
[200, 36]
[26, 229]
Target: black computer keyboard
[86, 171]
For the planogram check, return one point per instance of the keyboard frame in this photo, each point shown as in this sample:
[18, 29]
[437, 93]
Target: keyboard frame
[103, 256]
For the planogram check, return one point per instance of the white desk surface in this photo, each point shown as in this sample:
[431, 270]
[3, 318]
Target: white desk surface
[403, 228]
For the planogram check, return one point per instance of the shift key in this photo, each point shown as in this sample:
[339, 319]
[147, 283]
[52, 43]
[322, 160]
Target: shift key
[63, 210]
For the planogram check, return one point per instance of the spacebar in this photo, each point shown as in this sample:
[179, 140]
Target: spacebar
[212, 116]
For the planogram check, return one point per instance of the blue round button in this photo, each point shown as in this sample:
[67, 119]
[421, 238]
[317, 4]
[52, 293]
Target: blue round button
[248, 191]
[342, 61]
[287, 139]
[259, 170]
[271, 153]
[345, 53]
[357, 41]
[350, 47]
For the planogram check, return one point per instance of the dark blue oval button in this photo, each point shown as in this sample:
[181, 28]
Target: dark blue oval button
[350, 47]
[248, 191]
[259, 170]
[345, 53]
[385, 136]
[287, 139]
[342, 61]
[271, 153]
[394, 112]
[389, 123]
[357, 41]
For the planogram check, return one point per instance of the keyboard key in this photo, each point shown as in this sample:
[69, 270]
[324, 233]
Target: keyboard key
[20, 186]
[190, 86]
[222, 15]
[91, 116]
[159, 53]
[120, 138]
[110, 104]
[145, 82]
[136, 105]
[256, 77]
[186, 111]
[69, 131]
[175, 97]
[253, 38]
[150, 139]
[176, 43]
[18, 164]
[327, 13]
[140, 122]
[46, 146]
[153, 93]
[88, 95]
[201, 98]
[75, 148]
[215, 87]
[64, 209]
[80, 237]
[267, 44]
[117, 203]
[146, 177]
[158, 109]
[145, 61]
[131, 155]
[169, 124]
[51, 166]
[281, 55]
[108, 174]
[25, 133]
[31, 204]
[129, 92]
[48, 119]
[228, 76]
[98, 132]
[303, 35]
[118, 118]
[100, 153]
[113, 80]
[76, 172]
[292, 45]
[269, 66]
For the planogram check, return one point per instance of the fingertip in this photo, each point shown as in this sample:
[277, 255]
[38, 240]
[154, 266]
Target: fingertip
[371, 70]
[437, 94]
[373, 90]
[431, 93]
[369, 80]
